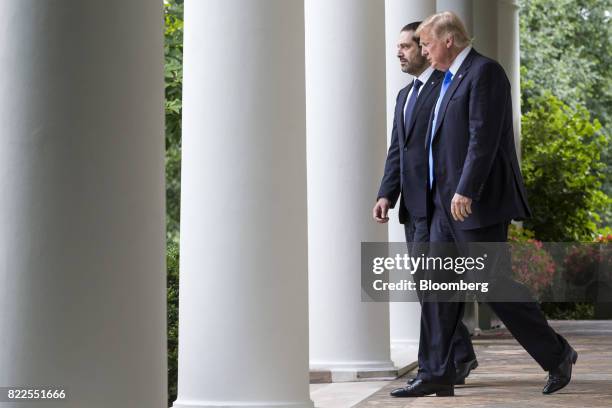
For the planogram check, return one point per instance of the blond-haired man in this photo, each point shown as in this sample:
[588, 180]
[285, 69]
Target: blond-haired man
[475, 190]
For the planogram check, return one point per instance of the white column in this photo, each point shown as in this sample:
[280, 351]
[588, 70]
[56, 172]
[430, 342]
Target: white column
[509, 57]
[82, 237]
[345, 69]
[243, 306]
[405, 316]
[462, 8]
[485, 42]
[496, 35]
[485, 27]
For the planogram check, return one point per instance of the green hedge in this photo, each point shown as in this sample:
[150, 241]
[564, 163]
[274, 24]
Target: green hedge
[563, 170]
[172, 262]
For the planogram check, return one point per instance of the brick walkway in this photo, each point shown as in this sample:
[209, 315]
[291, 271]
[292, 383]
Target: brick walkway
[508, 377]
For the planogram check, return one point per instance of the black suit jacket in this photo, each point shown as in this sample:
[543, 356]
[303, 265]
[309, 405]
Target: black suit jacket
[473, 146]
[406, 165]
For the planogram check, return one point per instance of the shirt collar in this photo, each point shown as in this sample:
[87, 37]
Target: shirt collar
[425, 75]
[459, 60]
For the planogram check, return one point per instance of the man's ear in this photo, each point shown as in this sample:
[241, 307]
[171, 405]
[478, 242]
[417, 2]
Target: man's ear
[450, 41]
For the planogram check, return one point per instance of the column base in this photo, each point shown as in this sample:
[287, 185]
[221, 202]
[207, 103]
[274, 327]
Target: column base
[349, 372]
[405, 354]
[240, 404]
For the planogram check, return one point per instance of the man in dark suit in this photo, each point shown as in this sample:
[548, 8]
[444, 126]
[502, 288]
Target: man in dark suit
[406, 166]
[475, 189]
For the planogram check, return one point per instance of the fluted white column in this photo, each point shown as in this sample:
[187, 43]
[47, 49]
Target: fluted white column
[82, 236]
[462, 8]
[509, 57]
[243, 306]
[404, 316]
[345, 80]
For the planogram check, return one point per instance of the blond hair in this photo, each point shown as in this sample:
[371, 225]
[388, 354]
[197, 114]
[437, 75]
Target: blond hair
[445, 23]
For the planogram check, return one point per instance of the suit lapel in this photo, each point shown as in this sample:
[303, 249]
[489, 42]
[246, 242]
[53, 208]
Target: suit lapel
[399, 111]
[427, 89]
[461, 73]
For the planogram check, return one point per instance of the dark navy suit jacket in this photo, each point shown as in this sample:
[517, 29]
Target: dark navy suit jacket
[406, 165]
[473, 146]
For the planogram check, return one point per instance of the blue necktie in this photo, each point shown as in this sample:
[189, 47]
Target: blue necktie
[448, 78]
[410, 106]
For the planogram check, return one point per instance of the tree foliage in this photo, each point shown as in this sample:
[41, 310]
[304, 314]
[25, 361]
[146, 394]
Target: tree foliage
[173, 48]
[566, 48]
[172, 262]
[563, 170]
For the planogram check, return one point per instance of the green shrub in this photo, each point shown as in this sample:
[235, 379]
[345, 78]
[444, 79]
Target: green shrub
[568, 311]
[172, 262]
[563, 170]
[173, 51]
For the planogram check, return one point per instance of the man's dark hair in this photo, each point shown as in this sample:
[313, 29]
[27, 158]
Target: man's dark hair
[412, 27]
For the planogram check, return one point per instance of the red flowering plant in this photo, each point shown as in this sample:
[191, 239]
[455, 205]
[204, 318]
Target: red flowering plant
[588, 262]
[532, 264]
[605, 249]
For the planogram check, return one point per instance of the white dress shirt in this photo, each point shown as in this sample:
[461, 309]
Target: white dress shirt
[459, 60]
[424, 77]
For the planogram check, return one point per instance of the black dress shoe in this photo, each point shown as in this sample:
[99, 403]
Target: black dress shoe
[463, 370]
[561, 376]
[419, 388]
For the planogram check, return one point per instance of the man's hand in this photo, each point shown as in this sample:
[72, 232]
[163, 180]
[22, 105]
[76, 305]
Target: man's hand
[381, 210]
[461, 207]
